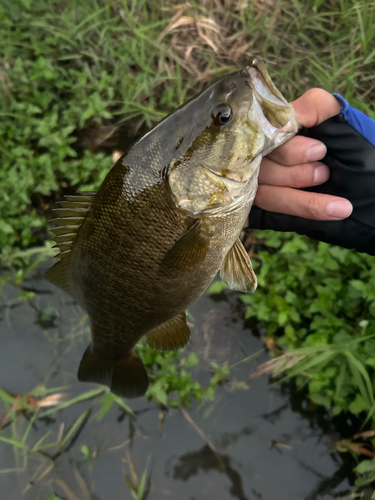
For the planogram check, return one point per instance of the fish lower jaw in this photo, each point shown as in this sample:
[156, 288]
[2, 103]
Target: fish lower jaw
[237, 202]
[236, 179]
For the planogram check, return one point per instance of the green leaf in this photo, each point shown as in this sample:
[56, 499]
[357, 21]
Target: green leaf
[123, 405]
[191, 360]
[366, 466]
[78, 399]
[74, 428]
[142, 484]
[358, 405]
[85, 450]
[8, 439]
[157, 390]
[107, 401]
[320, 399]
[217, 287]
[372, 309]
[354, 362]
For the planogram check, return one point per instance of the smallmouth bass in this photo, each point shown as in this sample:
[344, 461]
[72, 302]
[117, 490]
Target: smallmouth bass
[166, 219]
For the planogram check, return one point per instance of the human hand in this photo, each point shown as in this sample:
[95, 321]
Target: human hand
[338, 205]
[296, 164]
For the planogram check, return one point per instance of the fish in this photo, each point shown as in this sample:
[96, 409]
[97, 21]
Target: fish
[166, 219]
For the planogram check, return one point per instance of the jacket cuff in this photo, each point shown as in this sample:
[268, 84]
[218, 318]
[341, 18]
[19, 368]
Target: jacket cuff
[362, 123]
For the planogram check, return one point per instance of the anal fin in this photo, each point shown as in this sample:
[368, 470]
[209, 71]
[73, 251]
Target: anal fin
[171, 335]
[237, 270]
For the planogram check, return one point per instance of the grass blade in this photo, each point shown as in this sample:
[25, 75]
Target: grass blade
[79, 399]
[358, 365]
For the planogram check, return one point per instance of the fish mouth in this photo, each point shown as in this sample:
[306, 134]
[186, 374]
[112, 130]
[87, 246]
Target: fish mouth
[263, 85]
[269, 108]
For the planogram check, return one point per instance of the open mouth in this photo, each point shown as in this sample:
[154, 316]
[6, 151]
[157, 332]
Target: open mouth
[269, 108]
[263, 85]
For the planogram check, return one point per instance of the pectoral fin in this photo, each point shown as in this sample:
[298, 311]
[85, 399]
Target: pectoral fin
[188, 252]
[171, 335]
[237, 270]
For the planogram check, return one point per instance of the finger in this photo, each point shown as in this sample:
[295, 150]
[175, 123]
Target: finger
[299, 150]
[315, 106]
[298, 176]
[291, 201]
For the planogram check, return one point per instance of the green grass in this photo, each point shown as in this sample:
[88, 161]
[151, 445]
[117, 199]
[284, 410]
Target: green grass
[68, 68]
[172, 385]
[317, 302]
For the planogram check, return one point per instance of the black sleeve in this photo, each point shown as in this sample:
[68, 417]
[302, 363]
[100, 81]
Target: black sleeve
[351, 159]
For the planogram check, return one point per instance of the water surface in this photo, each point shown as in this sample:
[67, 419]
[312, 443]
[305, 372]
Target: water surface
[260, 442]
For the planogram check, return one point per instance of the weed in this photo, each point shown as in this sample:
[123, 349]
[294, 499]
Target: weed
[73, 67]
[320, 300]
[366, 475]
[138, 488]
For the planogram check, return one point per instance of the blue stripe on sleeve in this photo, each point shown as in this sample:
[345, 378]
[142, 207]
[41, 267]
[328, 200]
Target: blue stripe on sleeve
[358, 120]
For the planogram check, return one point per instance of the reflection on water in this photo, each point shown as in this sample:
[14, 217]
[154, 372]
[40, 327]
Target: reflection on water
[205, 460]
[265, 442]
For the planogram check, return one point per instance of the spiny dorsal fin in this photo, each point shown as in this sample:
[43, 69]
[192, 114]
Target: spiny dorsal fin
[67, 221]
[75, 204]
[237, 270]
[64, 230]
[70, 217]
[71, 212]
[62, 238]
[171, 335]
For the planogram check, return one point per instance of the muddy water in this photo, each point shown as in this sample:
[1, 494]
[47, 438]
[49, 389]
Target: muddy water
[261, 442]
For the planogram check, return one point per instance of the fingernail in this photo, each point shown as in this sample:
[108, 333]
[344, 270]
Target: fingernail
[316, 152]
[321, 174]
[341, 209]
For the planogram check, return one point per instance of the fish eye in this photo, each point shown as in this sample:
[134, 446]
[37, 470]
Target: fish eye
[222, 115]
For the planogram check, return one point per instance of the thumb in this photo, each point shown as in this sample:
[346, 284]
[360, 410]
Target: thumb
[315, 106]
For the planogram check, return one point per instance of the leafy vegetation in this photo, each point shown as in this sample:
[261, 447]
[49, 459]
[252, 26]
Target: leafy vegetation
[72, 70]
[321, 299]
[366, 475]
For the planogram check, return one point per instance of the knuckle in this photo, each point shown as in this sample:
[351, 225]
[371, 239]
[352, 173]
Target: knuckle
[312, 207]
[284, 154]
[302, 176]
[290, 153]
[317, 94]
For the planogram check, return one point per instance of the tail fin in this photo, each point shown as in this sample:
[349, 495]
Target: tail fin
[125, 376]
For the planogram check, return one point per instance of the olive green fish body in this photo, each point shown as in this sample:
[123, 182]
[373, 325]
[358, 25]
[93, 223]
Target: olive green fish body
[165, 220]
[119, 253]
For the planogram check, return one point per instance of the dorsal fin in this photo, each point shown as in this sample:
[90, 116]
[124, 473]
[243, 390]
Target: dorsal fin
[69, 220]
[64, 230]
